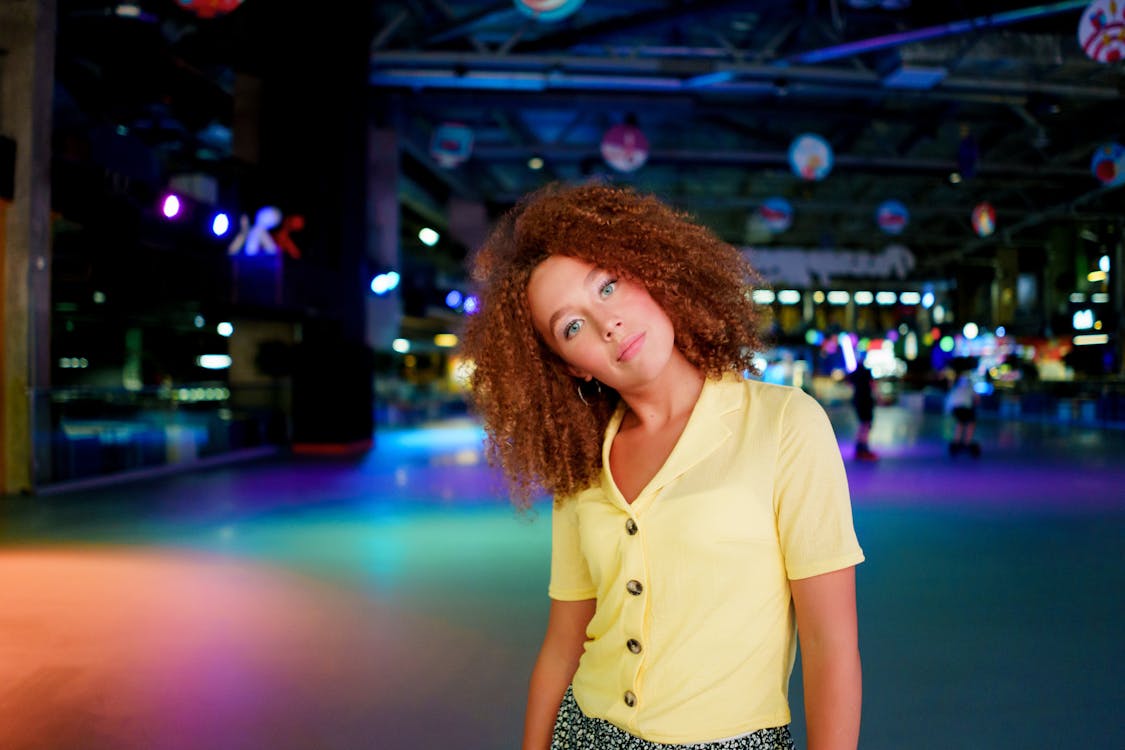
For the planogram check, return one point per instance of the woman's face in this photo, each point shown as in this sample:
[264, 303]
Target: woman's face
[602, 325]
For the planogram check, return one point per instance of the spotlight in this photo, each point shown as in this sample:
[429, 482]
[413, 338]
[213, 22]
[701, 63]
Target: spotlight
[170, 207]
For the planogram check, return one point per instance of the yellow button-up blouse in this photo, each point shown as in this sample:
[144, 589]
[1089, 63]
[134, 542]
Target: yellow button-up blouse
[694, 636]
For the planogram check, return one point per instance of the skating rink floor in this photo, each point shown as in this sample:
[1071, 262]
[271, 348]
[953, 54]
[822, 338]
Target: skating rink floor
[396, 601]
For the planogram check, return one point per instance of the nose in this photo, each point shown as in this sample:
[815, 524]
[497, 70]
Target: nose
[612, 327]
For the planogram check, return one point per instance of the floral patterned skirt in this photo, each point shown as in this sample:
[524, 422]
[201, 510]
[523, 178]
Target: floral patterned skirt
[575, 730]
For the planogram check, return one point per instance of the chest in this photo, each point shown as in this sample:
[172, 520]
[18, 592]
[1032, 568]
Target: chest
[636, 456]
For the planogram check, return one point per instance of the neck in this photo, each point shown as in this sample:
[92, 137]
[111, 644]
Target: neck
[668, 399]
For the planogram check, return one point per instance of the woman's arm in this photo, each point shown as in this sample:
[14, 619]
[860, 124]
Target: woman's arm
[557, 662]
[826, 626]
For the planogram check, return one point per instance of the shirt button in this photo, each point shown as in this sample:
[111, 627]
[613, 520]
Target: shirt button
[633, 645]
[634, 587]
[631, 527]
[630, 698]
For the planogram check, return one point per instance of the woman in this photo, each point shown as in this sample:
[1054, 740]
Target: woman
[700, 519]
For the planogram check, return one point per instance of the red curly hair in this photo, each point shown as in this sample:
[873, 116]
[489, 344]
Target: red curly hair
[541, 433]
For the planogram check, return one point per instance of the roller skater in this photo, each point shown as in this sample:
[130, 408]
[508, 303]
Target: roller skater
[863, 399]
[962, 401]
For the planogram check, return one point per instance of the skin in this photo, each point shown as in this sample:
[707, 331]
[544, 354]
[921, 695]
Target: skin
[607, 327]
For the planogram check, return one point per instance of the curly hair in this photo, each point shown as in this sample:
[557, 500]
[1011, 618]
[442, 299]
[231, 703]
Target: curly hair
[541, 431]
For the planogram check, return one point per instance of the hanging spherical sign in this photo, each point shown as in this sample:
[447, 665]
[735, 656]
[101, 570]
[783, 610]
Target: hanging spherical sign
[892, 217]
[984, 219]
[1108, 164]
[625, 148]
[209, 8]
[777, 214]
[548, 10]
[451, 144]
[1101, 32]
[810, 157]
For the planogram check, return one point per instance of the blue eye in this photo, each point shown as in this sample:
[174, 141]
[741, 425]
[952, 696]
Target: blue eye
[608, 287]
[572, 328]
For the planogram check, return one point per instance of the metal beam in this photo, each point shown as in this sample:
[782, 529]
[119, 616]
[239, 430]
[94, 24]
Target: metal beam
[463, 70]
[864, 46]
[736, 157]
[500, 11]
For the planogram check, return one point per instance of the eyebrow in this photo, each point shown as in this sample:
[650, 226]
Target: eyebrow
[590, 277]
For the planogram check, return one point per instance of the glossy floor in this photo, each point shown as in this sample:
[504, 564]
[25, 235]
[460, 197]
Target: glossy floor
[396, 601]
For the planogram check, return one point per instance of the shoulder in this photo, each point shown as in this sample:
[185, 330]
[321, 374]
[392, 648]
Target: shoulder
[771, 407]
[784, 399]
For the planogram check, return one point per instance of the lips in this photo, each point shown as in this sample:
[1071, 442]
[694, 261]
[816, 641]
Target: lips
[630, 347]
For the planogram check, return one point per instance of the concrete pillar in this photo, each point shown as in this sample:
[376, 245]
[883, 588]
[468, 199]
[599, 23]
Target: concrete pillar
[27, 72]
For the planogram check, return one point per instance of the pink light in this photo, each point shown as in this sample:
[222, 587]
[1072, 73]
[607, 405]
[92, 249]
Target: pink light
[171, 207]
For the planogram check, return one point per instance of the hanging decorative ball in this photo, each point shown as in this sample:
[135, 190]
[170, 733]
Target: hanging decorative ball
[209, 8]
[984, 219]
[1101, 32]
[776, 214]
[1108, 164]
[625, 148]
[548, 10]
[451, 144]
[810, 157]
[892, 217]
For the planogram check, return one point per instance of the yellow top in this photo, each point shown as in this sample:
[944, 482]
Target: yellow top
[694, 635]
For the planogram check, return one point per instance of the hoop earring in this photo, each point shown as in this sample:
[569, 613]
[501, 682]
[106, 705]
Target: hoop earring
[582, 396]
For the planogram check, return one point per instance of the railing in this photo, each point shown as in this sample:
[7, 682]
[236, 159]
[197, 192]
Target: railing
[1094, 403]
[87, 433]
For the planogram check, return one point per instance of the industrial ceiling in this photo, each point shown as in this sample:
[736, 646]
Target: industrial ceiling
[941, 106]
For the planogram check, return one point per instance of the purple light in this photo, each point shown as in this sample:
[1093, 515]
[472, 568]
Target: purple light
[171, 207]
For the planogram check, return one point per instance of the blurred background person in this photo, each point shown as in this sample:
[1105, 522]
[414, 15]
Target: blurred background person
[863, 399]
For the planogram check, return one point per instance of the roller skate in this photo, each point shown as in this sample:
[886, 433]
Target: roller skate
[955, 448]
[863, 453]
[974, 449]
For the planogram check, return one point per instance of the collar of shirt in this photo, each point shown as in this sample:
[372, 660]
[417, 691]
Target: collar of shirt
[704, 432]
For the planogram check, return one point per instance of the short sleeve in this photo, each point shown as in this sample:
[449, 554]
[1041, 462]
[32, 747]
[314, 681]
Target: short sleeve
[811, 497]
[570, 575]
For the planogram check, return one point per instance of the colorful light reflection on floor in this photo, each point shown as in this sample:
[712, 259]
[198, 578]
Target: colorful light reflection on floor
[395, 601]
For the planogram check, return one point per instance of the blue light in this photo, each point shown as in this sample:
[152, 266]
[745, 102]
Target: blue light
[220, 224]
[472, 304]
[928, 300]
[453, 299]
[849, 352]
[385, 282]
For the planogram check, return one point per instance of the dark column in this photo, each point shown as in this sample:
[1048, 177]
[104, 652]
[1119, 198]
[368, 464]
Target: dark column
[312, 63]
